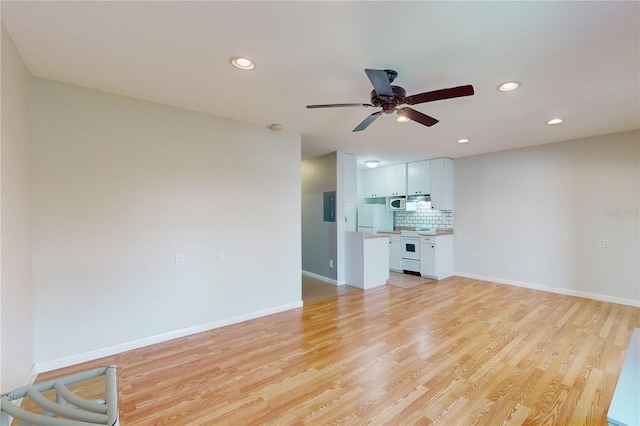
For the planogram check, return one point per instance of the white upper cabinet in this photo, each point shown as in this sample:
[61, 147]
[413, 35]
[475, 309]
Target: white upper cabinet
[375, 182]
[442, 184]
[419, 178]
[428, 177]
[396, 180]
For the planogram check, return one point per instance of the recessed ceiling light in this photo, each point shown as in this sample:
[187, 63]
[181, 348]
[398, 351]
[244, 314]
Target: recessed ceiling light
[402, 119]
[508, 86]
[555, 121]
[463, 140]
[242, 63]
[372, 164]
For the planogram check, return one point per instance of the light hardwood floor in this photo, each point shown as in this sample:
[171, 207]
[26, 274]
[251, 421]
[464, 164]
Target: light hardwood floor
[454, 352]
[314, 290]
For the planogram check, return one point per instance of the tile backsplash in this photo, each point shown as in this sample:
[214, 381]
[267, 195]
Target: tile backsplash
[424, 217]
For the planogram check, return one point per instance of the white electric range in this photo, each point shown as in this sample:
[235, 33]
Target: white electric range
[410, 241]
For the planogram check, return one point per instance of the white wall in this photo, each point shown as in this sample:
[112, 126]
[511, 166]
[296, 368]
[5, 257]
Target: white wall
[538, 216]
[346, 180]
[16, 307]
[120, 187]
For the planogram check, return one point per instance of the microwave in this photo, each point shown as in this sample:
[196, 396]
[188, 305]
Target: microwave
[396, 203]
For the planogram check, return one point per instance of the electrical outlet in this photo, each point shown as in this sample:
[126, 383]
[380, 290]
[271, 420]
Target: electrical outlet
[605, 243]
[179, 259]
[330, 263]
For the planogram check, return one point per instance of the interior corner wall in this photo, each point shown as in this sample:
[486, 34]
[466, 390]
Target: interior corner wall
[345, 208]
[16, 306]
[538, 216]
[319, 238]
[121, 186]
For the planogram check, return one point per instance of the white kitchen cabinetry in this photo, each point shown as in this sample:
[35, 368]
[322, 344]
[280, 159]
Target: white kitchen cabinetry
[442, 184]
[396, 180]
[436, 256]
[375, 182]
[367, 260]
[419, 178]
[395, 253]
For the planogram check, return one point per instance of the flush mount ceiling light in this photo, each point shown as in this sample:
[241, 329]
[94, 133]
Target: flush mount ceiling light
[555, 121]
[242, 63]
[463, 140]
[372, 164]
[509, 86]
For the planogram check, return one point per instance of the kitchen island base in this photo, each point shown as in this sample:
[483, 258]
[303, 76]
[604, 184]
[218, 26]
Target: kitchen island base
[367, 263]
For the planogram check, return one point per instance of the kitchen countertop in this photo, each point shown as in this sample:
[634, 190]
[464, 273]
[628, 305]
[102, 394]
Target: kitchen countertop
[370, 236]
[441, 231]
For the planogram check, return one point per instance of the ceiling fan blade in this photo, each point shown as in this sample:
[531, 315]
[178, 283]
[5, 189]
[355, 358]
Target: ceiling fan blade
[339, 105]
[380, 81]
[436, 95]
[417, 116]
[365, 123]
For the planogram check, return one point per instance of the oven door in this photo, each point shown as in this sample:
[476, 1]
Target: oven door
[410, 248]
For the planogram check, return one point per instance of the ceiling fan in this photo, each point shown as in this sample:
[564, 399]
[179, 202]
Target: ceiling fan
[389, 97]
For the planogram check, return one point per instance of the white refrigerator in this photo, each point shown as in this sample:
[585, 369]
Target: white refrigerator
[373, 218]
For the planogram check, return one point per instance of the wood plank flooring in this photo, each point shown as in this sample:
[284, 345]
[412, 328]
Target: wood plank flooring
[314, 290]
[457, 352]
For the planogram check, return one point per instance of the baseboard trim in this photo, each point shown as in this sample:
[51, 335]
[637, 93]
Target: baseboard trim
[44, 366]
[322, 278]
[557, 290]
[33, 374]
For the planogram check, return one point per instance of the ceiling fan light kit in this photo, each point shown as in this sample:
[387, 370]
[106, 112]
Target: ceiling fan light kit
[402, 118]
[389, 98]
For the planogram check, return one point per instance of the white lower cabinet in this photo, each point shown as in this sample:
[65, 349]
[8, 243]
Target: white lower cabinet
[367, 260]
[395, 253]
[436, 256]
[428, 259]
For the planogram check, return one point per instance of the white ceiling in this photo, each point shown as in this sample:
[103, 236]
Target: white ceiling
[576, 60]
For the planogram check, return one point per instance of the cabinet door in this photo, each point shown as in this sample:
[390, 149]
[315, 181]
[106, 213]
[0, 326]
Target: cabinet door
[374, 182]
[442, 184]
[395, 254]
[396, 180]
[443, 257]
[419, 178]
[428, 260]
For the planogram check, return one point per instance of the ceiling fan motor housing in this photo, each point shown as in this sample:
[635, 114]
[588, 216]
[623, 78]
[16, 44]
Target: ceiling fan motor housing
[388, 103]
